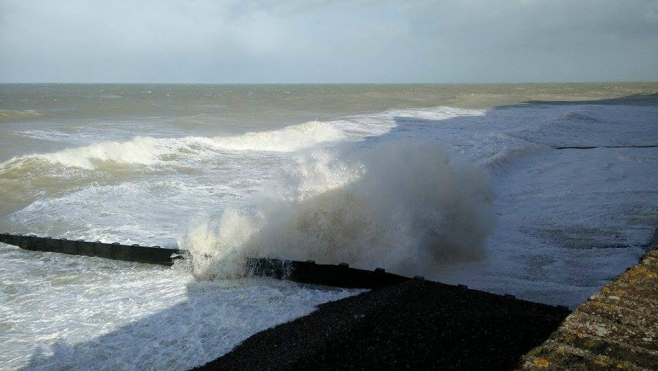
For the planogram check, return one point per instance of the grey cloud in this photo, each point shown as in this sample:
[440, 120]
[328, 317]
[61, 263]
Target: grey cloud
[328, 41]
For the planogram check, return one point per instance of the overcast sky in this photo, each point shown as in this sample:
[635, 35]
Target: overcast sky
[299, 41]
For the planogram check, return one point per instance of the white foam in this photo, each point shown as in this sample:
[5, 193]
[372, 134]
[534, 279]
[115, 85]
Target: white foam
[288, 139]
[152, 151]
[79, 313]
[141, 151]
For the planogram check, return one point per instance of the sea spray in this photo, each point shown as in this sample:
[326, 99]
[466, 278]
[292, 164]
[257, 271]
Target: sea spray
[405, 206]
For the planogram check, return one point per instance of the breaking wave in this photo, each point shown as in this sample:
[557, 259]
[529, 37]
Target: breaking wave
[288, 139]
[405, 206]
[152, 151]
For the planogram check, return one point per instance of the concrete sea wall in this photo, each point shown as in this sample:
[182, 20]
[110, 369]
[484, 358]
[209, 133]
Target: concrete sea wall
[616, 329]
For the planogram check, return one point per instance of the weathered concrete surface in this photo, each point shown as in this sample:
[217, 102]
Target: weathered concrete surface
[617, 329]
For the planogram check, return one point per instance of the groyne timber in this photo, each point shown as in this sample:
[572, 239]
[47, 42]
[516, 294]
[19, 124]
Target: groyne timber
[114, 251]
[340, 275]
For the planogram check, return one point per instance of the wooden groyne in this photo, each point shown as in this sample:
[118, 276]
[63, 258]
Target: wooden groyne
[616, 329]
[340, 275]
[116, 251]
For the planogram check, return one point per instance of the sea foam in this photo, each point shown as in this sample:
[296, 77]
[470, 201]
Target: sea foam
[152, 151]
[404, 206]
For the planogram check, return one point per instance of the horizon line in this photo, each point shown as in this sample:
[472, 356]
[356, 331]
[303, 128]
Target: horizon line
[332, 83]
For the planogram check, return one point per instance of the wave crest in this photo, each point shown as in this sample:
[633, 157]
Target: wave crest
[288, 139]
[152, 151]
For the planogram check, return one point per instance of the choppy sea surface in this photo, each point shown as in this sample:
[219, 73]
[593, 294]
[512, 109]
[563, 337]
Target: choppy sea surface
[543, 191]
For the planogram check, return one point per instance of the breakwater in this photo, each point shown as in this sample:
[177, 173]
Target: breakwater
[340, 275]
[116, 251]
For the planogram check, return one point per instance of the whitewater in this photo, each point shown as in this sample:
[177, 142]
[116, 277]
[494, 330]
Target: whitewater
[547, 200]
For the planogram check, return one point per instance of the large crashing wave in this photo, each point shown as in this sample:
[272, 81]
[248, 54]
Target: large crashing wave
[404, 206]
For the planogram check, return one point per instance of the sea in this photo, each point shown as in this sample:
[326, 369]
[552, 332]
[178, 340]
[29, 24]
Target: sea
[542, 191]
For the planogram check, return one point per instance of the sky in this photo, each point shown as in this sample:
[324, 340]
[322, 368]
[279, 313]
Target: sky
[304, 41]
